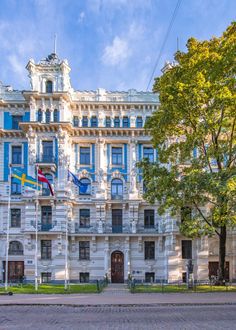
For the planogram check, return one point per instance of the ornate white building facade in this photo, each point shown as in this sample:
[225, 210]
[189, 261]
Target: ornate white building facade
[108, 231]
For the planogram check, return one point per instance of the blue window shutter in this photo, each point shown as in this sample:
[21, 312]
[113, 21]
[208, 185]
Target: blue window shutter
[6, 160]
[156, 154]
[76, 154]
[125, 156]
[139, 151]
[26, 116]
[7, 120]
[93, 156]
[56, 155]
[25, 156]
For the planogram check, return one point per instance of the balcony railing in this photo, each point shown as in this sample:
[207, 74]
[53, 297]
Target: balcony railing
[16, 253]
[46, 227]
[116, 197]
[46, 159]
[117, 229]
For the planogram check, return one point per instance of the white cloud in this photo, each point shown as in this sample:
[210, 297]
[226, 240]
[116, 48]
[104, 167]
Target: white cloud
[117, 53]
[17, 67]
[81, 17]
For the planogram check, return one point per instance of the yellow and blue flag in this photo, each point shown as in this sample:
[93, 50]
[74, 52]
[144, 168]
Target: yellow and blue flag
[25, 179]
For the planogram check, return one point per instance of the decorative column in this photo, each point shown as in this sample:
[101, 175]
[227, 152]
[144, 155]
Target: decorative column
[100, 217]
[133, 191]
[33, 110]
[31, 136]
[62, 158]
[133, 216]
[127, 266]
[106, 257]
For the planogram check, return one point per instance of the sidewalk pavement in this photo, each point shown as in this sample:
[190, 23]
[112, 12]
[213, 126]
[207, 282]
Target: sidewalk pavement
[121, 296]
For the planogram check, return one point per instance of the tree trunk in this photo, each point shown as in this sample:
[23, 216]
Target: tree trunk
[222, 248]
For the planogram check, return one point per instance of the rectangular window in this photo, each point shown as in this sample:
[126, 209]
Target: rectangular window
[116, 156]
[85, 121]
[16, 155]
[148, 218]
[84, 253]
[147, 119]
[85, 155]
[125, 121]
[46, 218]
[84, 218]
[186, 249]
[148, 153]
[76, 121]
[149, 250]
[117, 220]
[139, 122]
[46, 277]
[47, 156]
[84, 277]
[15, 218]
[94, 121]
[15, 121]
[46, 249]
[150, 277]
[117, 122]
[108, 121]
[15, 187]
[186, 213]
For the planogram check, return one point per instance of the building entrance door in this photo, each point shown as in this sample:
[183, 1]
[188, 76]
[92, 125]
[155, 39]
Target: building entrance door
[15, 271]
[213, 269]
[117, 267]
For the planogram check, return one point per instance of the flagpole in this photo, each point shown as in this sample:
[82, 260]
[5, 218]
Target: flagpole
[8, 229]
[36, 234]
[66, 255]
[66, 243]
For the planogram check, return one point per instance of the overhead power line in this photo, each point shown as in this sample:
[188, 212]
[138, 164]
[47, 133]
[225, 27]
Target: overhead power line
[165, 40]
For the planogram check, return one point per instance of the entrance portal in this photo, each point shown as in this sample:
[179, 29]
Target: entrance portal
[117, 267]
[15, 271]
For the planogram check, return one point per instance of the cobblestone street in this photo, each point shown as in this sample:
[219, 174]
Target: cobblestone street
[117, 317]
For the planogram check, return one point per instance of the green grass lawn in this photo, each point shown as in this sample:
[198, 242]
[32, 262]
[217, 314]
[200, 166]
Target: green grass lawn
[53, 288]
[181, 288]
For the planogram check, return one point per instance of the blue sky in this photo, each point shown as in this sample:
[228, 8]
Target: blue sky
[111, 44]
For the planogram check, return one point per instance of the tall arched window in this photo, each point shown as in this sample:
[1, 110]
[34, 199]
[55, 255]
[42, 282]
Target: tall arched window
[47, 116]
[48, 86]
[16, 248]
[56, 116]
[116, 189]
[45, 188]
[85, 187]
[40, 115]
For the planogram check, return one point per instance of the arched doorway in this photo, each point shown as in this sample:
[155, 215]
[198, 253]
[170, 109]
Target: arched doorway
[117, 267]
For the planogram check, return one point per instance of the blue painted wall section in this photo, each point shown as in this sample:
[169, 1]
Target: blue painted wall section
[6, 161]
[25, 144]
[26, 116]
[89, 169]
[7, 120]
[122, 169]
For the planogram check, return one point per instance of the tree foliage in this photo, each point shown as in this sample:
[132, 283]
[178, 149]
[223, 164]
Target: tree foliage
[194, 130]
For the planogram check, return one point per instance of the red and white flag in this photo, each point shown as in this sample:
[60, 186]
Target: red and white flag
[42, 178]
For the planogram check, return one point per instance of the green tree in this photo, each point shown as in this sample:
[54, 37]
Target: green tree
[194, 130]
